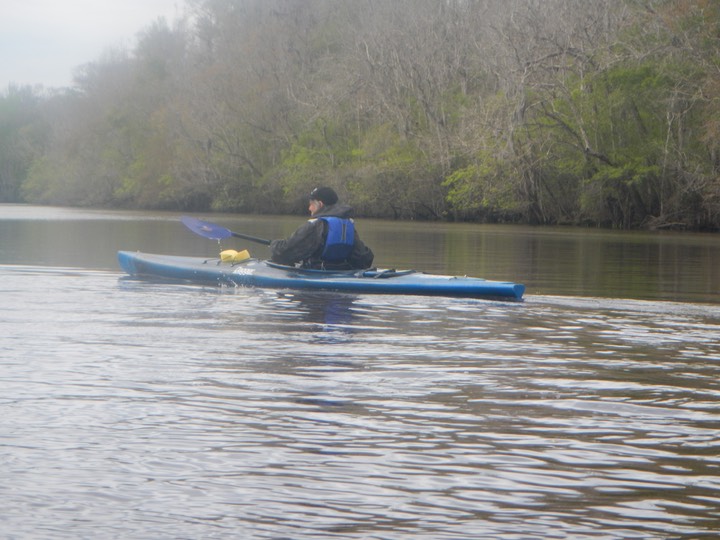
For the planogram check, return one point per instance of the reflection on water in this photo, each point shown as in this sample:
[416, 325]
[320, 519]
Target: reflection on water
[138, 409]
[331, 311]
[134, 409]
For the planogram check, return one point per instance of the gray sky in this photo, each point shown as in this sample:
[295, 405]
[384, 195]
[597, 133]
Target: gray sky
[43, 41]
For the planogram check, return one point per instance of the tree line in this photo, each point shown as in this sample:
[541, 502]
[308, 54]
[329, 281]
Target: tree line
[597, 112]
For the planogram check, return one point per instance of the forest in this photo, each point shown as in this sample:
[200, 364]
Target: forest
[598, 113]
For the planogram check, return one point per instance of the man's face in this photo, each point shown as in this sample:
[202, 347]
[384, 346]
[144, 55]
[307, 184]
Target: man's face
[314, 206]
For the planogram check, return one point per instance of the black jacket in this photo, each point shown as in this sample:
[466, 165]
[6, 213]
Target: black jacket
[306, 244]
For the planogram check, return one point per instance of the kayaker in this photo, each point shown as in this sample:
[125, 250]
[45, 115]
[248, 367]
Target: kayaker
[328, 240]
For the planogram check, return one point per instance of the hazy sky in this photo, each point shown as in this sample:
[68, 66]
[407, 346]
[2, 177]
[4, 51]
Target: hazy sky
[43, 41]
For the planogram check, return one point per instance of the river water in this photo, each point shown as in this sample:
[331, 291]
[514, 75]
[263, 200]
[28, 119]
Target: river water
[135, 409]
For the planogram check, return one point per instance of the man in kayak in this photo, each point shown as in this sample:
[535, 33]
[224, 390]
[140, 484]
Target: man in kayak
[328, 240]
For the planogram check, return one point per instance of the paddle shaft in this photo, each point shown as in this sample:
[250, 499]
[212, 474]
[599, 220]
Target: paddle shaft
[262, 241]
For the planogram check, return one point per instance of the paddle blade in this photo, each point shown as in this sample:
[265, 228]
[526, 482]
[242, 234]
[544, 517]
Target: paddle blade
[203, 228]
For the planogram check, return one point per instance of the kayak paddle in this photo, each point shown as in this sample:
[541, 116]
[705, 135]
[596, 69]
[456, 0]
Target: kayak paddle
[216, 232]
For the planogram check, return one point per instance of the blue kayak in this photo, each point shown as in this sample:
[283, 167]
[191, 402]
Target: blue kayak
[265, 274]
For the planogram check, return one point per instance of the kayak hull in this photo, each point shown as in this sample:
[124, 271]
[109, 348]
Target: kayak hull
[264, 274]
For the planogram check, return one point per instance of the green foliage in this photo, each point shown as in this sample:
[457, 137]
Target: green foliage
[544, 114]
[622, 196]
[315, 158]
[481, 189]
[392, 176]
[21, 139]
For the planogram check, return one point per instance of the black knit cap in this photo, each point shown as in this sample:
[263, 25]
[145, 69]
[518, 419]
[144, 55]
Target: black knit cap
[325, 195]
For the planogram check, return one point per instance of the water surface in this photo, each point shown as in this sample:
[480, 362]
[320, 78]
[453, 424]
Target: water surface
[138, 409]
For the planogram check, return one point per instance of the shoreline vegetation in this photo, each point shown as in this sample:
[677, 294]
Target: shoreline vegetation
[554, 112]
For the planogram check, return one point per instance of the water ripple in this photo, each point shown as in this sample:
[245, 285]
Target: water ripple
[143, 410]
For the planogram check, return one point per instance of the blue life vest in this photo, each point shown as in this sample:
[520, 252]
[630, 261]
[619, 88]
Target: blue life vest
[340, 239]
